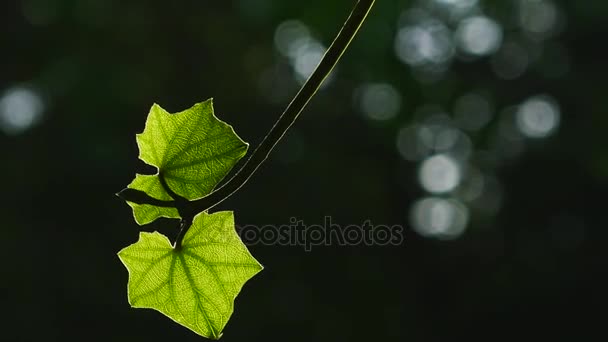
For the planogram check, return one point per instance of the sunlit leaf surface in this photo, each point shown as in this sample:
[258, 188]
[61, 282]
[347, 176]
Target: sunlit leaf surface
[193, 149]
[197, 284]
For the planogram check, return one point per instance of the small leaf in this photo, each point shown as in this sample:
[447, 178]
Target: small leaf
[197, 284]
[145, 213]
[194, 151]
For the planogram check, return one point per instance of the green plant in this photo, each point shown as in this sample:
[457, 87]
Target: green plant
[195, 280]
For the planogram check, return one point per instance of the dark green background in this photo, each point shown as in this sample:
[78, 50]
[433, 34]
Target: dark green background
[535, 269]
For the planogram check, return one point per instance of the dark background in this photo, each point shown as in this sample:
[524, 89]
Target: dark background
[523, 255]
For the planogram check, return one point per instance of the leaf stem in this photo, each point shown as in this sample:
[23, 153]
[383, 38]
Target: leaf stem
[163, 182]
[184, 225]
[291, 113]
[140, 197]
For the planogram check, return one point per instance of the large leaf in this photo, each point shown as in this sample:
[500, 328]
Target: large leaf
[197, 284]
[194, 151]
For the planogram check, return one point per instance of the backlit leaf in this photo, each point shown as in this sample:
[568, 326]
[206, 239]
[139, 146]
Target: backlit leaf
[197, 284]
[193, 149]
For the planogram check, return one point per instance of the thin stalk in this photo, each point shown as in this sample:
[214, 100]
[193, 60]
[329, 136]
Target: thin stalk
[291, 113]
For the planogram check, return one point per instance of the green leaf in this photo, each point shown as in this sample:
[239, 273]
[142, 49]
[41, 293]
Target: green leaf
[145, 213]
[193, 149]
[197, 284]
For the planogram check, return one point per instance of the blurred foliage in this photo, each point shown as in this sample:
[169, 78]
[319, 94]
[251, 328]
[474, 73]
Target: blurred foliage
[88, 71]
